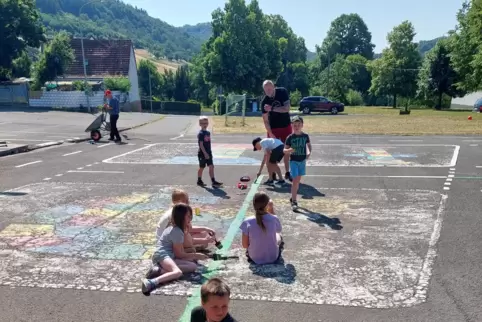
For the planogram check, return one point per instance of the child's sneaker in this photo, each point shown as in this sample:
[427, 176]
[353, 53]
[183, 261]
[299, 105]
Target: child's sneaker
[280, 183]
[201, 183]
[269, 182]
[153, 272]
[294, 204]
[217, 184]
[147, 286]
[288, 176]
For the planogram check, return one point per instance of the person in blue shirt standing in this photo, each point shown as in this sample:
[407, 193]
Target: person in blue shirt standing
[114, 110]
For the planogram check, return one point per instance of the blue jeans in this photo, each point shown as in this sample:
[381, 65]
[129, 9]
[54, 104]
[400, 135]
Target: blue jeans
[297, 168]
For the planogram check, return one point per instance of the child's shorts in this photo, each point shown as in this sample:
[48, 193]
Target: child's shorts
[297, 168]
[276, 155]
[203, 162]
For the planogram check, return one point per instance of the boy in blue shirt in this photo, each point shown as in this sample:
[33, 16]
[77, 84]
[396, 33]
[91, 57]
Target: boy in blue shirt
[298, 145]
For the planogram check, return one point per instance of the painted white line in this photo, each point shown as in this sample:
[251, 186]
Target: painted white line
[26, 164]
[447, 183]
[405, 140]
[474, 145]
[89, 165]
[47, 179]
[452, 169]
[124, 154]
[59, 175]
[103, 145]
[446, 188]
[96, 162]
[451, 176]
[25, 140]
[449, 179]
[177, 137]
[356, 176]
[478, 166]
[80, 168]
[455, 156]
[426, 272]
[451, 172]
[71, 153]
[76, 171]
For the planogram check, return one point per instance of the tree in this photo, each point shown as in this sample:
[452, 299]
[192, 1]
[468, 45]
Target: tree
[395, 73]
[181, 84]
[168, 85]
[241, 53]
[22, 66]
[437, 75]
[335, 80]
[57, 56]
[147, 70]
[360, 76]
[20, 26]
[199, 87]
[467, 46]
[348, 35]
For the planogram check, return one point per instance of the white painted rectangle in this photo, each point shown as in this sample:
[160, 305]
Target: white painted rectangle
[26, 164]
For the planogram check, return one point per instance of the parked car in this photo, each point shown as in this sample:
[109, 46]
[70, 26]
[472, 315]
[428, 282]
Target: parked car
[478, 105]
[320, 104]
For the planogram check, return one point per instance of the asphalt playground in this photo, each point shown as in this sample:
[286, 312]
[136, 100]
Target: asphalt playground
[389, 229]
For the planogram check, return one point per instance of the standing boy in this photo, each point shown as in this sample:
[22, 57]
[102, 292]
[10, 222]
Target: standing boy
[215, 303]
[205, 155]
[298, 145]
[273, 154]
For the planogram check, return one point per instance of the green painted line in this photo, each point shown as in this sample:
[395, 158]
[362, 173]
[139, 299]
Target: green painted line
[212, 268]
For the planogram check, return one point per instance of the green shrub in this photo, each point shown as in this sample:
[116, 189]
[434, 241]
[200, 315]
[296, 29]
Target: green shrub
[295, 98]
[354, 98]
[121, 84]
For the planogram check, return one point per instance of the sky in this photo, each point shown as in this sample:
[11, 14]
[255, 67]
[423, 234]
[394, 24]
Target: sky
[311, 19]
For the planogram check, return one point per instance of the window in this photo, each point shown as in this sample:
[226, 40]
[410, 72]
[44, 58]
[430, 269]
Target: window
[323, 100]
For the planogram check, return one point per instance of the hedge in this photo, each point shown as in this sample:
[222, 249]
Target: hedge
[183, 108]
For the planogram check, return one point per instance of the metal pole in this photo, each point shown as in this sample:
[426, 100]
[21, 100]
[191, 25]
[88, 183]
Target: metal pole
[85, 72]
[150, 88]
[244, 108]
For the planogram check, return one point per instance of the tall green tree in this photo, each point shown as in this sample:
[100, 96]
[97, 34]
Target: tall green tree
[182, 84]
[20, 26]
[54, 60]
[335, 81]
[467, 46]
[396, 72]
[241, 53]
[199, 87]
[437, 75]
[168, 85]
[348, 35]
[360, 76]
[147, 70]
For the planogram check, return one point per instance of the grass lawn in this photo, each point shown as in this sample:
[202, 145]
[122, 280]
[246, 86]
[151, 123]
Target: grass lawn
[370, 120]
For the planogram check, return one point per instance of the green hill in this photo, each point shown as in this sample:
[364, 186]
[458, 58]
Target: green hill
[115, 19]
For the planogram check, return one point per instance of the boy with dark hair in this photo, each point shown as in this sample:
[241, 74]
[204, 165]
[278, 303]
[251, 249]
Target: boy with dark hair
[273, 154]
[215, 303]
[298, 145]
[205, 155]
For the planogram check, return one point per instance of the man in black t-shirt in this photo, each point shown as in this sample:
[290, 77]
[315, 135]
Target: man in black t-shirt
[276, 116]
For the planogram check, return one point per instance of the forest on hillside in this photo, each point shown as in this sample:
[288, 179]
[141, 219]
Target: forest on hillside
[115, 19]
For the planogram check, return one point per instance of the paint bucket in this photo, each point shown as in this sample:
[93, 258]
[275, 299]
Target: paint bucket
[197, 211]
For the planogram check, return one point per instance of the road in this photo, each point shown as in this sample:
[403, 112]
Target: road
[390, 231]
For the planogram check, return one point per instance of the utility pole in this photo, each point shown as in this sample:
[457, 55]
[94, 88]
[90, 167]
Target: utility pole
[150, 87]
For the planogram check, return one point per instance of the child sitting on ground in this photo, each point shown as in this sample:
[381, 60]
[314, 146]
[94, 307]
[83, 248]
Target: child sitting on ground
[195, 236]
[215, 303]
[170, 260]
[262, 233]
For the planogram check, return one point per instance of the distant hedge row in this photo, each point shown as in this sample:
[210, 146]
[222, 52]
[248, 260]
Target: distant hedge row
[172, 107]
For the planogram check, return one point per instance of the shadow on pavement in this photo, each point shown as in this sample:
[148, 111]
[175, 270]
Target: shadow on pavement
[217, 192]
[320, 219]
[279, 271]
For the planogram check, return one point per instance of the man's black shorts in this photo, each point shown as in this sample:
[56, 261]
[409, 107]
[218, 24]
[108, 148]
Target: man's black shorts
[203, 162]
[277, 155]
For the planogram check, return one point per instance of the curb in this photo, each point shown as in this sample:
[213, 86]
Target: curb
[18, 149]
[32, 147]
